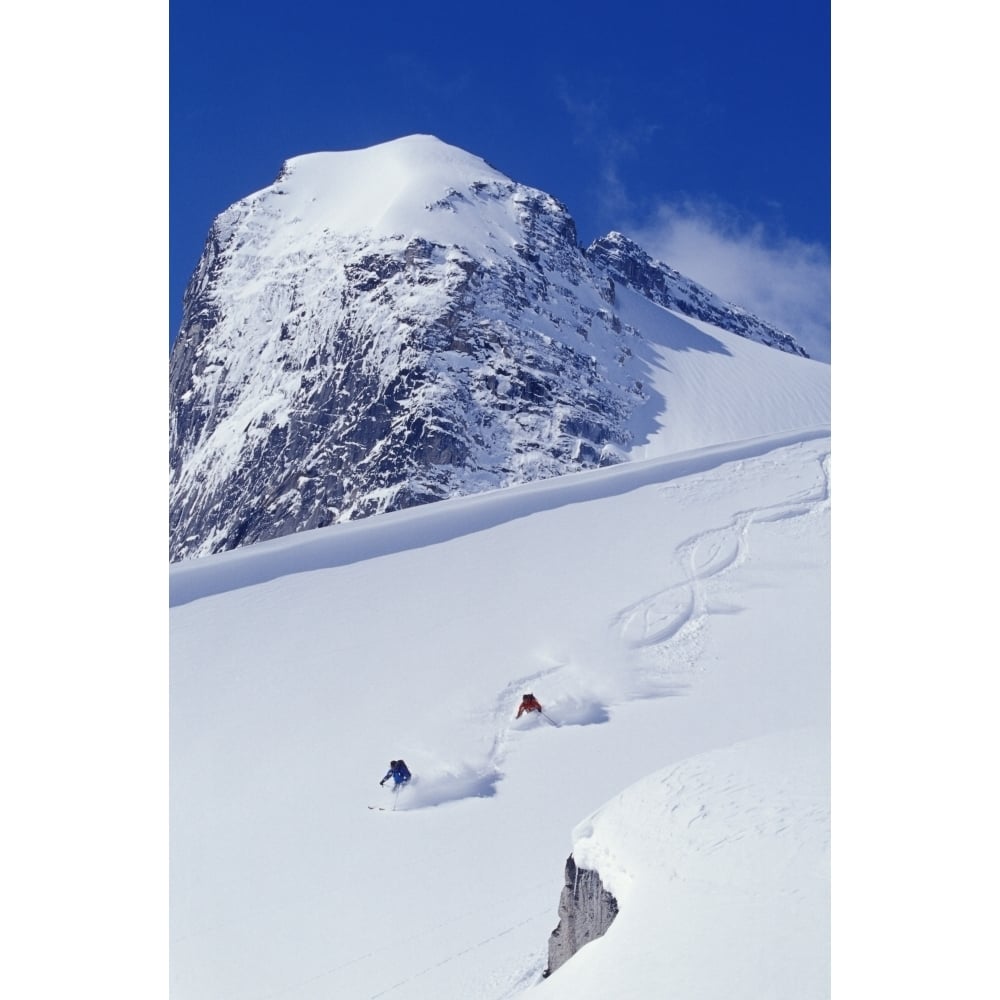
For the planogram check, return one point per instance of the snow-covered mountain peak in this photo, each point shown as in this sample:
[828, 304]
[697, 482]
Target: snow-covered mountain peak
[416, 187]
[390, 326]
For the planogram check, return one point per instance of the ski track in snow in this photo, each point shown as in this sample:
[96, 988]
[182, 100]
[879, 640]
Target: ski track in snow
[682, 607]
[448, 519]
[657, 618]
[664, 626]
[545, 912]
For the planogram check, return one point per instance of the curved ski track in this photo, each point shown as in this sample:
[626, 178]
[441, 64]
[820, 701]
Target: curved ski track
[664, 628]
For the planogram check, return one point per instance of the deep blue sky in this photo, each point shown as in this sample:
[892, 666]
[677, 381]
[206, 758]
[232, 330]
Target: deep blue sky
[628, 114]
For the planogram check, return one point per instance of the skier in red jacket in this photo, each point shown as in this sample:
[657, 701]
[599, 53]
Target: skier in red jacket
[529, 703]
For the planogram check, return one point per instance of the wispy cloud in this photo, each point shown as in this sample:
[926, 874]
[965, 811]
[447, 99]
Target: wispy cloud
[781, 279]
[610, 141]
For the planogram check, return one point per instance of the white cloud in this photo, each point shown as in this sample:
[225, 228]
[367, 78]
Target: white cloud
[783, 280]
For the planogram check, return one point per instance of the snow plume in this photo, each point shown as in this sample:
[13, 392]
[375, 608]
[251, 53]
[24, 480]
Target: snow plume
[784, 281]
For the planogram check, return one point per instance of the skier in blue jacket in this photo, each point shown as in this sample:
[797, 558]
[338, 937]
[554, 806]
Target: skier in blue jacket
[399, 773]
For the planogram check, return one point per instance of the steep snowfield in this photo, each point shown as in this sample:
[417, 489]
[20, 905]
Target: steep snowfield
[707, 386]
[671, 616]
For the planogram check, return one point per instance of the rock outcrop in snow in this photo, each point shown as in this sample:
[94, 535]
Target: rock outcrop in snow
[388, 327]
[721, 865]
[586, 911]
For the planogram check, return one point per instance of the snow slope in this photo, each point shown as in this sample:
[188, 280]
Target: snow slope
[672, 615]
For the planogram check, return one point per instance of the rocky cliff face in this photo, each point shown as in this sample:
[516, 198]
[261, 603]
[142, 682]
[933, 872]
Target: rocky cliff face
[390, 327]
[586, 911]
[627, 263]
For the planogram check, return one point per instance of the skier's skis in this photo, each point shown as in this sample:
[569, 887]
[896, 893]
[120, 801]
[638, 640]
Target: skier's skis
[395, 793]
[395, 790]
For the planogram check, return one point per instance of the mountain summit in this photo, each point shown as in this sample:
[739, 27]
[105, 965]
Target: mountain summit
[386, 327]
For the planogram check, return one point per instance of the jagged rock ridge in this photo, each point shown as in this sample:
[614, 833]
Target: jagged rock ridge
[627, 263]
[586, 911]
[389, 327]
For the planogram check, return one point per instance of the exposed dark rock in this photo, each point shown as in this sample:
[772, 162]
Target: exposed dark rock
[586, 911]
[630, 265]
[391, 406]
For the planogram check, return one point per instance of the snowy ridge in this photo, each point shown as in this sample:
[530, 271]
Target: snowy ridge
[629, 264]
[387, 327]
[431, 525]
